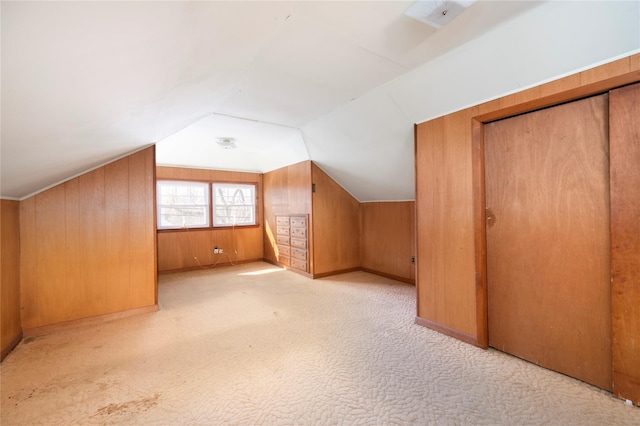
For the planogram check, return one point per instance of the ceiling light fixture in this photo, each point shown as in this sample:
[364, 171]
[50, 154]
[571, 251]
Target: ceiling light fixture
[227, 143]
[437, 13]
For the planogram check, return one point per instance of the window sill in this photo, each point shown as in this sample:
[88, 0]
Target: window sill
[208, 228]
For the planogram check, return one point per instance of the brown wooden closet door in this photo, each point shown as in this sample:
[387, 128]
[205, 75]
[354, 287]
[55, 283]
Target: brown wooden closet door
[548, 254]
[624, 121]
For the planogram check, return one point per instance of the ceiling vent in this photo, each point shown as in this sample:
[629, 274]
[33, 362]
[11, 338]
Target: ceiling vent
[227, 143]
[437, 13]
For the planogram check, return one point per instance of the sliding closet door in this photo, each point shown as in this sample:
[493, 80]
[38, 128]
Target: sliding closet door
[625, 239]
[548, 252]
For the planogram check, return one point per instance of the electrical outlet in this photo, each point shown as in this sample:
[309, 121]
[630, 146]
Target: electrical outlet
[216, 250]
[413, 259]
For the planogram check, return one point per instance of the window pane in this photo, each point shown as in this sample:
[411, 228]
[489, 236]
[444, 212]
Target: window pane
[183, 204]
[234, 204]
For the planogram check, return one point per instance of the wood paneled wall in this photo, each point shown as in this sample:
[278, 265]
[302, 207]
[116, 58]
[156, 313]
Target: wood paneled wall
[387, 239]
[286, 191]
[88, 245]
[193, 249]
[10, 325]
[336, 223]
[343, 235]
[445, 231]
[450, 200]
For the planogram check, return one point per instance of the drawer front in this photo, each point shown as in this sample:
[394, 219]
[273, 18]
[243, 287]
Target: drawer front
[299, 264]
[281, 239]
[283, 250]
[282, 230]
[299, 232]
[297, 242]
[282, 220]
[284, 260]
[299, 221]
[299, 253]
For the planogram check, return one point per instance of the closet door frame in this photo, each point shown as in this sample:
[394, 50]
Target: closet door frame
[479, 196]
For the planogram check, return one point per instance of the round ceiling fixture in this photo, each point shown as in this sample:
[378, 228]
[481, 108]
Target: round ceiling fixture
[227, 143]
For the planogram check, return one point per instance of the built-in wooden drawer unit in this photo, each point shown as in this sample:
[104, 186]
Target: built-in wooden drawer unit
[298, 242]
[282, 230]
[282, 239]
[284, 250]
[298, 253]
[298, 221]
[299, 264]
[299, 232]
[282, 221]
[291, 237]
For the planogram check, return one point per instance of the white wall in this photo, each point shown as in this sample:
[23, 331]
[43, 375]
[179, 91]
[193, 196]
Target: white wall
[545, 43]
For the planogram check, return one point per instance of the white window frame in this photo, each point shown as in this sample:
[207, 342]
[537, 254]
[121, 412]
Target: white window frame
[249, 202]
[206, 207]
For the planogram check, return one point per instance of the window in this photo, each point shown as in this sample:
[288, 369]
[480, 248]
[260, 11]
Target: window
[234, 204]
[183, 205]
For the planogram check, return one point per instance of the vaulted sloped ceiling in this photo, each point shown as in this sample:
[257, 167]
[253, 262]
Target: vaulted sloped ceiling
[341, 83]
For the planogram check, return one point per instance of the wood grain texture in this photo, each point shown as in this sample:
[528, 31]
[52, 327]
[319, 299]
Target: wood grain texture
[182, 173]
[116, 179]
[292, 242]
[93, 239]
[444, 206]
[431, 187]
[286, 191]
[548, 277]
[597, 74]
[519, 98]
[193, 249]
[335, 226]
[387, 238]
[447, 330]
[73, 253]
[206, 175]
[426, 200]
[28, 263]
[634, 62]
[142, 220]
[6, 350]
[185, 250]
[50, 215]
[79, 239]
[624, 110]
[573, 87]
[10, 323]
[489, 107]
[561, 85]
[89, 321]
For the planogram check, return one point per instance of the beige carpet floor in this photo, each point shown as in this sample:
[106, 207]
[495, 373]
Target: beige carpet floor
[253, 344]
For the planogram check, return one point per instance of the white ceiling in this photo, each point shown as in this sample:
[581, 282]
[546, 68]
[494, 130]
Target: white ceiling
[340, 83]
[259, 146]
